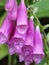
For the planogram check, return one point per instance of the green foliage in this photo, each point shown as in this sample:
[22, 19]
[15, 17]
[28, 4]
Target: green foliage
[3, 51]
[2, 2]
[43, 8]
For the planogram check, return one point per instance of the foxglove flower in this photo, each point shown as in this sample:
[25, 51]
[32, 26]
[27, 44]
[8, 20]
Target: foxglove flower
[18, 45]
[27, 49]
[9, 5]
[13, 13]
[28, 45]
[38, 50]
[6, 30]
[22, 18]
[18, 40]
[18, 35]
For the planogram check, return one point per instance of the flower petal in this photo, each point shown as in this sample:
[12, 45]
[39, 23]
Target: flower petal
[38, 50]
[22, 18]
[9, 5]
[6, 30]
[13, 13]
[11, 47]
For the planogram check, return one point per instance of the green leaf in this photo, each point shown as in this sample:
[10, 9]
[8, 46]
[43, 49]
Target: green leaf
[3, 51]
[2, 18]
[2, 2]
[43, 14]
[43, 5]
[43, 8]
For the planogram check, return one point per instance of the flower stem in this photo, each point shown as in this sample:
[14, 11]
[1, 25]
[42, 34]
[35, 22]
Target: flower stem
[9, 60]
[12, 60]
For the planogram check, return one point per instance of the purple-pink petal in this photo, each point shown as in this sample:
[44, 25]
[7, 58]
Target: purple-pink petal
[27, 63]
[9, 5]
[5, 30]
[27, 48]
[22, 18]
[18, 43]
[13, 13]
[21, 58]
[29, 42]
[18, 35]
[30, 33]
[18, 40]
[11, 47]
[38, 50]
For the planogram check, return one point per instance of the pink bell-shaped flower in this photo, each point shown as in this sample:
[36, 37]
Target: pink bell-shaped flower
[22, 18]
[13, 13]
[5, 30]
[27, 49]
[38, 51]
[28, 45]
[9, 5]
[18, 40]
[18, 35]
